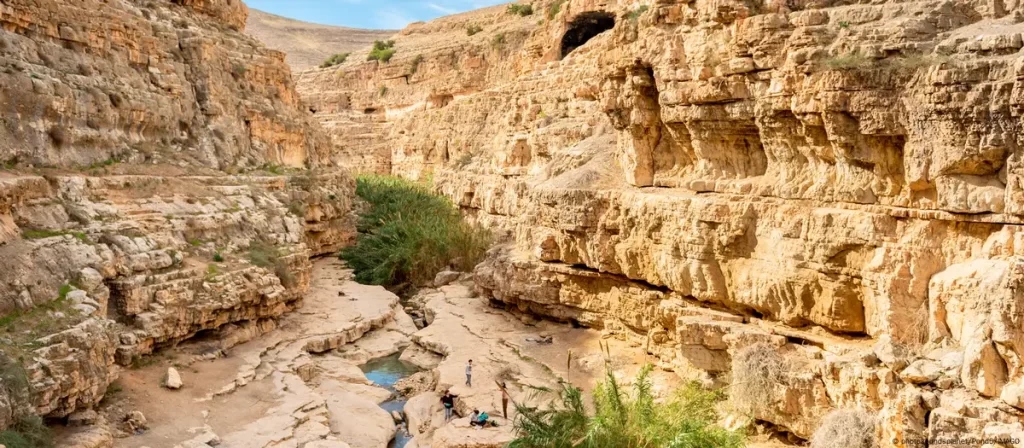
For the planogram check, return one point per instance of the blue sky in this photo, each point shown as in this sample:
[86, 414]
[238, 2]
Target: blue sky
[378, 14]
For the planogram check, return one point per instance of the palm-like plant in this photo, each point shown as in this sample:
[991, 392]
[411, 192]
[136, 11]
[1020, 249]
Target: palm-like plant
[626, 420]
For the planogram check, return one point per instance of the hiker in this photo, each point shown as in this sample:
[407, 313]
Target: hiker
[469, 373]
[478, 418]
[504, 400]
[448, 400]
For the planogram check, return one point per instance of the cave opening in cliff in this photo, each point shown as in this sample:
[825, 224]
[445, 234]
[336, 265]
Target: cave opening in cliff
[584, 27]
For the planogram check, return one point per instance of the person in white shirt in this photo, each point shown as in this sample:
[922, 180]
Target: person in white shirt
[469, 373]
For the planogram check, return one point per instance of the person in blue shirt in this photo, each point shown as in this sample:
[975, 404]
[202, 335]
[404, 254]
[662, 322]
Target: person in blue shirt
[478, 418]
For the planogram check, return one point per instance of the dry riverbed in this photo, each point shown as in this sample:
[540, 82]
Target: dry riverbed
[301, 385]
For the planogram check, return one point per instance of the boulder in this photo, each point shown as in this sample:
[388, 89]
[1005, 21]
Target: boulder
[173, 379]
[921, 371]
[445, 277]
[87, 417]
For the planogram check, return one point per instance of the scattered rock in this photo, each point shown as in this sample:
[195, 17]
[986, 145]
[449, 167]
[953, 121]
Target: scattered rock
[445, 277]
[135, 422]
[173, 379]
[891, 354]
[541, 339]
[417, 383]
[396, 416]
[85, 417]
[921, 371]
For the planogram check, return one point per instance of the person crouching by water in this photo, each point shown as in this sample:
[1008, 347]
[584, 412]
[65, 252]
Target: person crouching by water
[478, 418]
[448, 400]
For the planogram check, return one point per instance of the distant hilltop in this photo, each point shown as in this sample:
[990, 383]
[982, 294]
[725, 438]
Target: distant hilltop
[308, 44]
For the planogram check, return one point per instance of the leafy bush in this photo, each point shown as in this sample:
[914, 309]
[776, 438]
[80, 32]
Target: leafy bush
[416, 63]
[845, 428]
[520, 10]
[554, 9]
[336, 59]
[635, 14]
[499, 39]
[847, 61]
[217, 257]
[33, 234]
[472, 29]
[382, 51]
[408, 234]
[27, 432]
[265, 255]
[627, 420]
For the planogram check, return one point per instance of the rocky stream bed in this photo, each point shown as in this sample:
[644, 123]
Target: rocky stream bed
[350, 368]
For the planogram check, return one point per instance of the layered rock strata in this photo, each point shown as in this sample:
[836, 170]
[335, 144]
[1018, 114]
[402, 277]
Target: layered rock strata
[833, 181]
[161, 180]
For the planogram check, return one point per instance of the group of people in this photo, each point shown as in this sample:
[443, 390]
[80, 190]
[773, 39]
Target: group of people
[478, 419]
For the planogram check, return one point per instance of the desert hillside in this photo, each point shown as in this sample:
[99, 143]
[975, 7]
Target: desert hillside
[307, 44]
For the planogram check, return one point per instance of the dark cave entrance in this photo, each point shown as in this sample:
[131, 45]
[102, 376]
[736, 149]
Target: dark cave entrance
[584, 27]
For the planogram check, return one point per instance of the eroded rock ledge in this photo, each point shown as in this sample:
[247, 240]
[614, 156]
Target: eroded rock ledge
[835, 181]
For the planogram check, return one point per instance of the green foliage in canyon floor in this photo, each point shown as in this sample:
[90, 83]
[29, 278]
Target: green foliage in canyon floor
[627, 419]
[27, 432]
[407, 234]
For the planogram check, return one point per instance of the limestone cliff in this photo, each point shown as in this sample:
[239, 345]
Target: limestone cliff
[161, 180]
[838, 181]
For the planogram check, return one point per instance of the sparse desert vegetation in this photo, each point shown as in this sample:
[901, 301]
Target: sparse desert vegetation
[383, 51]
[625, 418]
[336, 59]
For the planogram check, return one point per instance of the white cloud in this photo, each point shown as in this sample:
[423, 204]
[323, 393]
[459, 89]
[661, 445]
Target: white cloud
[442, 9]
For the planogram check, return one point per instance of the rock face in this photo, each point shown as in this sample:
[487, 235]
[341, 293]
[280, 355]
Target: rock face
[146, 82]
[819, 178]
[161, 180]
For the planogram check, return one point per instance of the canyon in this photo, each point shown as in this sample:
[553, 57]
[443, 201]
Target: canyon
[814, 205]
[832, 180]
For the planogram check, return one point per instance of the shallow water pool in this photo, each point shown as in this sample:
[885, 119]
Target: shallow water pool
[385, 372]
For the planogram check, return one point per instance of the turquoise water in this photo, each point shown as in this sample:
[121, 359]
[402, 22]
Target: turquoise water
[385, 372]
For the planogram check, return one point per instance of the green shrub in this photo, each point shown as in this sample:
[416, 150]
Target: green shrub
[472, 29]
[27, 432]
[635, 14]
[33, 234]
[382, 51]
[554, 9]
[499, 40]
[623, 419]
[336, 59]
[217, 257]
[847, 61]
[416, 63]
[265, 255]
[383, 91]
[520, 10]
[408, 234]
